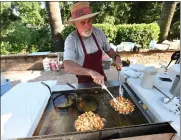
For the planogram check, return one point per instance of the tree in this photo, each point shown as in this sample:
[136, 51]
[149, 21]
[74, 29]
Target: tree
[166, 19]
[55, 25]
[144, 12]
[30, 12]
[65, 9]
[7, 15]
[174, 32]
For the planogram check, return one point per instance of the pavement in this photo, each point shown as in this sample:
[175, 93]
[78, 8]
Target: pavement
[61, 77]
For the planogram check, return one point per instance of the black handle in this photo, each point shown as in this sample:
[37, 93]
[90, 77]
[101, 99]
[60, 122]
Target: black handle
[71, 86]
[47, 87]
[50, 93]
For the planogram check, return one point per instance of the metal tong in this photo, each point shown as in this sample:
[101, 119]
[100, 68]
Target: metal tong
[114, 99]
[120, 91]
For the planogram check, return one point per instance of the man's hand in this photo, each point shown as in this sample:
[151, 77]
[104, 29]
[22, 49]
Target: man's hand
[98, 78]
[117, 59]
[118, 63]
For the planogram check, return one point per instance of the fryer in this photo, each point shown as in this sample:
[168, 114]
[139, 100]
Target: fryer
[60, 123]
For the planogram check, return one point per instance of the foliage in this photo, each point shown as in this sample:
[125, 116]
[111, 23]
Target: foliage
[25, 27]
[30, 12]
[67, 30]
[144, 12]
[65, 9]
[5, 5]
[175, 27]
[175, 31]
[109, 30]
[22, 39]
[141, 33]
[111, 12]
[7, 15]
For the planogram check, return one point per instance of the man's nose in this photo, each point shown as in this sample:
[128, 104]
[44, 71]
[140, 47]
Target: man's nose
[88, 25]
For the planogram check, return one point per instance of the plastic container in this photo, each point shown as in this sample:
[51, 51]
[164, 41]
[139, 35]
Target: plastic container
[175, 89]
[106, 61]
[53, 65]
[173, 71]
[148, 78]
[5, 87]
[106, 64]
[46, 65]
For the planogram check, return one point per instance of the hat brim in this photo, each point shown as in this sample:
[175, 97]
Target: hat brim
[81, 18]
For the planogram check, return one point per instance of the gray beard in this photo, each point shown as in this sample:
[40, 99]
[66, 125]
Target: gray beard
[87, 34]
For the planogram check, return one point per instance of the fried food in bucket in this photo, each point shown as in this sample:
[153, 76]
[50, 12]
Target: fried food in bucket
[124, 105]
[89, 121]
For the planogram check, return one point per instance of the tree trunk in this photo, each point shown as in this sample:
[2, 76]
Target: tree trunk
[166, 19]
[56, 25]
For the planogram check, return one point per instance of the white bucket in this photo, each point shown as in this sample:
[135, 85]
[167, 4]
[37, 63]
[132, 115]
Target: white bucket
[46, 65]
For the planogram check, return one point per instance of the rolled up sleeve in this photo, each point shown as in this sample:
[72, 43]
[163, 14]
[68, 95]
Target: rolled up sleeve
[69, 49]
[106, 45]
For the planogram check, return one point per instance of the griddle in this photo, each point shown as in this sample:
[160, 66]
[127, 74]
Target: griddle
[62, 121]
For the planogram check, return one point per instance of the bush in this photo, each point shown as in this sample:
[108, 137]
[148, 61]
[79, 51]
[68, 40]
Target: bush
[19, 38]
[140, 33]
[175, 31]
[67, 30]
[109, 30]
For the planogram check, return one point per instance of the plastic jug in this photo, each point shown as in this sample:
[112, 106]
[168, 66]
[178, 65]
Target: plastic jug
[175, 89]
[148, 78]
[46, 65]
[3, 80]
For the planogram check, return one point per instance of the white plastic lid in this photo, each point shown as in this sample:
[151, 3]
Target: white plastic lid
[46, 59]
[150, 70]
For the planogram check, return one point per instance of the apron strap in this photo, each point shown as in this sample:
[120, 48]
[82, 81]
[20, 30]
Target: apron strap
[95, 41]
[82, 43]
[83, 46]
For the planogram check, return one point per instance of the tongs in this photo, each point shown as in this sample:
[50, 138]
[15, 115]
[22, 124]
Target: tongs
[120, 91]
[114, 99]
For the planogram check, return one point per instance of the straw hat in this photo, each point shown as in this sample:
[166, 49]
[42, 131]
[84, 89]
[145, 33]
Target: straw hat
[80, 11]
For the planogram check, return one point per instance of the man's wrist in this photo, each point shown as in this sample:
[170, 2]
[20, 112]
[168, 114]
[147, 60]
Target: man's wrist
[117, 55]
[89, 72]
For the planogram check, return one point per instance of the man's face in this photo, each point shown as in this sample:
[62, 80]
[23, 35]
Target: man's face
[84, 27]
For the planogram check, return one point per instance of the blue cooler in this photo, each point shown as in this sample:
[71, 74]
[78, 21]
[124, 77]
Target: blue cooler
[5, 87]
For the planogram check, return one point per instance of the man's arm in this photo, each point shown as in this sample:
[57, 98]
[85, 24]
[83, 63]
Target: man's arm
[111, 53]
[117, 59]
[74, 68]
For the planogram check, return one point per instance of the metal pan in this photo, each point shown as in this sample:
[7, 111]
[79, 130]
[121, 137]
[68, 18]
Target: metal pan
[57, 101]
[85, 103]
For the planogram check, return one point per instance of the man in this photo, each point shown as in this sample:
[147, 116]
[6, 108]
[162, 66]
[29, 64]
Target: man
[84, 46]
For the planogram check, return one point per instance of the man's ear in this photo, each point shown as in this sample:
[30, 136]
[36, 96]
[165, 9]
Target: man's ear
[73, 24]
[93, 19]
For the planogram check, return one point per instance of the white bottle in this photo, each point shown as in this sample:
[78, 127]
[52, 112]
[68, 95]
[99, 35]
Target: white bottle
[46, 65]
[148, 78]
